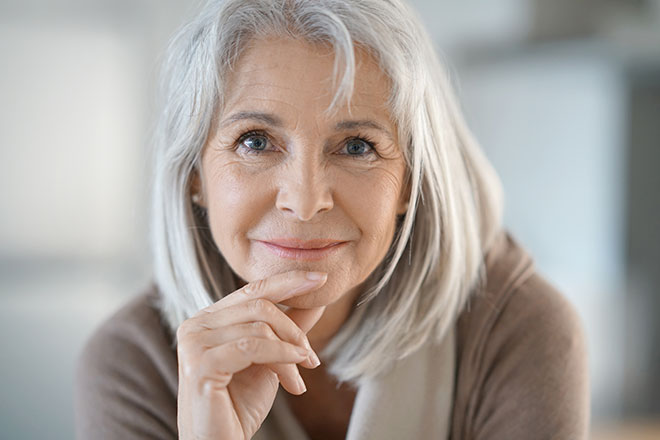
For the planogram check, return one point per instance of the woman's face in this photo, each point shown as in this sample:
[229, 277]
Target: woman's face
[279, 174]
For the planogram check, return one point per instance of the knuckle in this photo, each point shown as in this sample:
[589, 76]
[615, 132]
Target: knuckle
[248, 289]
[294, 276]
[190, 350]
[210, 385]
[186, 337]
[259, 305]
[301, 337]
[182, 331]
[187, 369]
[263, 329]
[298, 274]
[257, 286]
[189, 363]
[247, 345]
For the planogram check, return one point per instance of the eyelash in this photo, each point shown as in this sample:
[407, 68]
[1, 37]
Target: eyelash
[372, 144]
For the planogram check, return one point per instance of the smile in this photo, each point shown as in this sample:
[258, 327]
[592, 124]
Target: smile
[301, 253]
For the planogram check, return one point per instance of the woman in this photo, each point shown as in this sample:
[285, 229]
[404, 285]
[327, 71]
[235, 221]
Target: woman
[319, 202]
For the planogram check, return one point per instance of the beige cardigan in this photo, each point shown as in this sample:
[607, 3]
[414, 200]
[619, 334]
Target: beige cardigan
[517, 357]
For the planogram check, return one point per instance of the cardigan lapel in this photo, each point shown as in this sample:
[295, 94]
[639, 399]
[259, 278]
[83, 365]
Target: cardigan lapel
[413, 400]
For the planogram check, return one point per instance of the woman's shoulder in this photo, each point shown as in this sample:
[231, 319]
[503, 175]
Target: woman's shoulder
[516, 294]
[136, 323]
[133, 333]
[126, 373]
[522, 356]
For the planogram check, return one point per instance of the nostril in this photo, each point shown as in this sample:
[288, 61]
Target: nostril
[304, 204]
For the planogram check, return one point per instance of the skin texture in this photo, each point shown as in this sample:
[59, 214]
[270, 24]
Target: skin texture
[305, 183]
[234, 354]
[295, 173]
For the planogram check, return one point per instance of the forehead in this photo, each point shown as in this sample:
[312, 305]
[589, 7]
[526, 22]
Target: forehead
[293, 71]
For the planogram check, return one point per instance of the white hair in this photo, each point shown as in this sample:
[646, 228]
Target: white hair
[436, 260]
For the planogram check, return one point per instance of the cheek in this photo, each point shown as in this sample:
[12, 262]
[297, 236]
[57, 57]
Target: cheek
[372, 202]
[236, 201]
[372, 196]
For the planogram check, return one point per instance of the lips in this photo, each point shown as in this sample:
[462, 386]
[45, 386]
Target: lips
[295, 243]
[308, 250]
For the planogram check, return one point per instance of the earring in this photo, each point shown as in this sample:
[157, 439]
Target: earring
[196, 198]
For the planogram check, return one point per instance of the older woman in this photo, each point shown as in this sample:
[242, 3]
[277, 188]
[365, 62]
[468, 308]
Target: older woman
[319, 202]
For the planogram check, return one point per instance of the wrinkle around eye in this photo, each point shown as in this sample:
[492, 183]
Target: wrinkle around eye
[390, 151]
[221, 142]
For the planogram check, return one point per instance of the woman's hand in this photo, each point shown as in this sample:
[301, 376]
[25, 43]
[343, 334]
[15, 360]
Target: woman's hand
[233, 355]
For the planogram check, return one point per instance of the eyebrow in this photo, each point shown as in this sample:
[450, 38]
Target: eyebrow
[270, 119]
[363, 123]
[266, 118]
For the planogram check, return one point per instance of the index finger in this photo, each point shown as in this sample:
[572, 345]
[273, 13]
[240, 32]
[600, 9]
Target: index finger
[275, 288]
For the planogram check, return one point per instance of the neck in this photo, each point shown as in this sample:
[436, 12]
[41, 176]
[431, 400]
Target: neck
[333, 318]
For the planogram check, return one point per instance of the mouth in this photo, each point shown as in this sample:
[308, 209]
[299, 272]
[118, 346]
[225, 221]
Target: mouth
[312, 250]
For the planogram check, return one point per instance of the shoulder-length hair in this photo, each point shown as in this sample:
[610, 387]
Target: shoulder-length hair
[436, 259]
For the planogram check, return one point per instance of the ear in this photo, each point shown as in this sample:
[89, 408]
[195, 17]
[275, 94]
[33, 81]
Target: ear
[197, 189]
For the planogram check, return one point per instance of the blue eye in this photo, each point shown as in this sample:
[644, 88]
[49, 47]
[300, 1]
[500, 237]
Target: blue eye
[255, 142]
[357, 147]
[360, 148]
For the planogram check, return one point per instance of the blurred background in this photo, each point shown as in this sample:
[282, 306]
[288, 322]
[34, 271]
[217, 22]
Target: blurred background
[564, 97]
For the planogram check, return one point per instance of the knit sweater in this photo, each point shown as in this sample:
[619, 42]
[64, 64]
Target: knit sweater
[518, 363]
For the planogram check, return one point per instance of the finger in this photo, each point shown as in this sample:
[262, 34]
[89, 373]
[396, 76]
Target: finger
[254, 311]
[288, 374]
[289, 377]
[220, 363]
[275, 288]
[306, 319]
[203, 340]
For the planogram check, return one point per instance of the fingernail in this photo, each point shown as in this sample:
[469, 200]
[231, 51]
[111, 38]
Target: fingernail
[301, 384]
[316, 276]
[314, 359]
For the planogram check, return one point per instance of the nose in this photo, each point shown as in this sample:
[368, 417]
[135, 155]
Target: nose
[305, 190]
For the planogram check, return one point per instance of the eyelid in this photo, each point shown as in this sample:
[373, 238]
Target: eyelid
[367, 140]
[359, 136]
[249, 133]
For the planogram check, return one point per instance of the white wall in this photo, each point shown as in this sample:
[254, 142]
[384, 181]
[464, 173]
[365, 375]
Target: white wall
[72, 132]
[76, 86]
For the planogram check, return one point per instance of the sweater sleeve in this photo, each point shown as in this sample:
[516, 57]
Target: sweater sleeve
[123, 383]
[535, 369]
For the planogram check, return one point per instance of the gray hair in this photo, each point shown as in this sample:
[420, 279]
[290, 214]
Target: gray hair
[436, 260]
